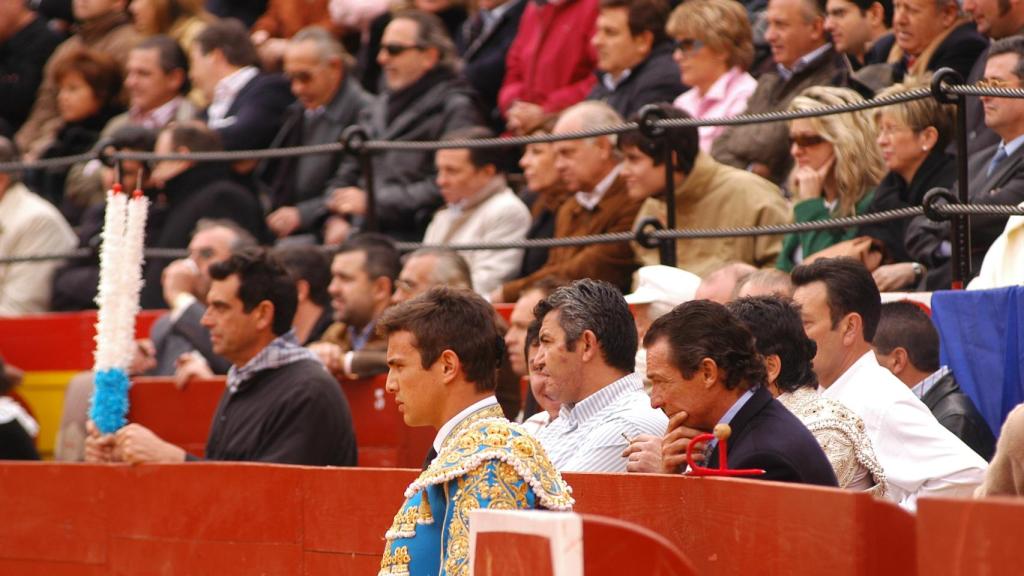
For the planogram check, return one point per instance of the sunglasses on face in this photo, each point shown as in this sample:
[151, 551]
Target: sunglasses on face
[688, 44]
[397, 49]
[806, 140]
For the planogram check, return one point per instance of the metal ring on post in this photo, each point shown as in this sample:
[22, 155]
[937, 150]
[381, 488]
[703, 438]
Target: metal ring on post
[354, 139]
[649, 115]
[942, 76]
[938, 197]
[105, 150]
[643, 232]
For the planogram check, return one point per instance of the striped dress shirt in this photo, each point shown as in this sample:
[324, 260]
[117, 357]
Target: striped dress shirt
[591, 435]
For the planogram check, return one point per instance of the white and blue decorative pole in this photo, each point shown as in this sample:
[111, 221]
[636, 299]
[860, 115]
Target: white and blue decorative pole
[118, 300]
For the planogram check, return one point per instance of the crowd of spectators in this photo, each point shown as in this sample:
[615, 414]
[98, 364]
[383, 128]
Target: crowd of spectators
[174, 76]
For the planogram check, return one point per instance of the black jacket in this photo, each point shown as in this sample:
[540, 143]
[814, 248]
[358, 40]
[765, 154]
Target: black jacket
[768, 436]
[893, 192]
[955, 410]
[483, 54]
[924, 238]
[206, 190]
[256, 113]
[22, 58]
[654, 80]
[403, 181]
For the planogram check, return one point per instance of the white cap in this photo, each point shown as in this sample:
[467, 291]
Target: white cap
[664, 284]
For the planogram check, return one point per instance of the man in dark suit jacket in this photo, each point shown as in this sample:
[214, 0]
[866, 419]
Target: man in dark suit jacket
[192, 191]
[634, 56]
[329, 101]
[483, 45]
[246, 105]
[705, 371]
[907, 344]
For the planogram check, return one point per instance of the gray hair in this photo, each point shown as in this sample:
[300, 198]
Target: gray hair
[327, 46]
[243, 238]
[450, 268]
[593, 114]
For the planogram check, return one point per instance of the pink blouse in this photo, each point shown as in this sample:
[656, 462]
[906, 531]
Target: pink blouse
[726, 97]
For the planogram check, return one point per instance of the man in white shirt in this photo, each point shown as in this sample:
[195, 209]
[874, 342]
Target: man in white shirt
[841, 307]
[587, 347]
[29, 226]
[479, 207]
[443, 351]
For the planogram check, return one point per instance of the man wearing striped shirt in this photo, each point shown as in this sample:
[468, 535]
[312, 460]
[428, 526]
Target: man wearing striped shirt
[588, 343]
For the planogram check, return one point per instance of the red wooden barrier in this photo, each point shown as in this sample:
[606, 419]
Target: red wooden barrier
[228, 519]
[970, 537]
[183, 417]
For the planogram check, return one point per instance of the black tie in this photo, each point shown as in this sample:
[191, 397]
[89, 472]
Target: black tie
[430, 457]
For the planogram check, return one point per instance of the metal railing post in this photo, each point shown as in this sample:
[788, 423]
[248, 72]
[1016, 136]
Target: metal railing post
[354, 138]
[960, 226]
[649, 115]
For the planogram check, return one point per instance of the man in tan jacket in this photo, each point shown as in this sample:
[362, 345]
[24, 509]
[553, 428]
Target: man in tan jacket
[707, 194]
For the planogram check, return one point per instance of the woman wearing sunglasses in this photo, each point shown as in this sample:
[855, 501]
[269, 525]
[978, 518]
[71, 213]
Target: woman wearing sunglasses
[837, 167]
[714, 49]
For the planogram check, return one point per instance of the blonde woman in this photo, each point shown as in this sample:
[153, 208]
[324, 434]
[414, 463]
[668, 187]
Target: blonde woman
[714, 49]
[837, 168]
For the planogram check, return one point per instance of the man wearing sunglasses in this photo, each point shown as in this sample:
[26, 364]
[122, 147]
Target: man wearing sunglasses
[328, 102]
[423, 100]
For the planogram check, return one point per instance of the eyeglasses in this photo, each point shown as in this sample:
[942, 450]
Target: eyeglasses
[996, 83]
[688, 44]
[806, 140]
[397, 49]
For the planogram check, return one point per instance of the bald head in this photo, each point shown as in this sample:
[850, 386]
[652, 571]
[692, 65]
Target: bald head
[720, 284]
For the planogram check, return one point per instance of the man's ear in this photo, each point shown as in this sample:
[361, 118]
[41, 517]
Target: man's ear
[302, 288]
[851, 328]
[900, 360]
[450, 365]
[773, 365]
[876, 14]
[589, 345]
[708, 369]
[382, 288]
[264, 315]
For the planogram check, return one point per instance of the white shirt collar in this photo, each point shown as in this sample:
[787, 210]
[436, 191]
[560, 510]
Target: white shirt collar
[590, 200]
[450, 425]
[225, 92]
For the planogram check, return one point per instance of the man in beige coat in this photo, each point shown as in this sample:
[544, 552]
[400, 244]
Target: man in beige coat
[479, 207]
[708, 195]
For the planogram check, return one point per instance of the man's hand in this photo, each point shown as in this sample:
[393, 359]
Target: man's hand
[331, 355]
[348, 201]
[188, 366]
[283, 221]
[137, 444]
[336, 231]
[673, 446]
[894, 276]
[144, 358]
[98, 447]
[525, 117]
[644, 455]
[180, 277]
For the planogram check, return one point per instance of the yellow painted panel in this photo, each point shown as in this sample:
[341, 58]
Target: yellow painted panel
[44, 392]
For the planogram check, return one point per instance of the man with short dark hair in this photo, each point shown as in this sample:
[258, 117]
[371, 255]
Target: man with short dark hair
[705, 371]
[995, 19]
[634, 56]
[329, 101]
[479, 207]
[855, 26]
[907, 344]
[707, 195]
[587, 348]
[25, 44]
[280, 404]
[311, 268]
[840, 306]
[424, 99]
[363, 275]
[246, 106]
[443, 351]
[193, 190]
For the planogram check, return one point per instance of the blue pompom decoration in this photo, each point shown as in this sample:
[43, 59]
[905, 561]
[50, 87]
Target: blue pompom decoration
[110, 400]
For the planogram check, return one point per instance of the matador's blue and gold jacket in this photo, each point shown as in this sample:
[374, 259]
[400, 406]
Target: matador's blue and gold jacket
[486, 462]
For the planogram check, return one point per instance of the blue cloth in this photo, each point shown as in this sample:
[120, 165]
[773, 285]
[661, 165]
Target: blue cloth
[981, 342]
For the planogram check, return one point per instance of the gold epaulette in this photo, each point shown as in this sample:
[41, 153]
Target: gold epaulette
[469, 447]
